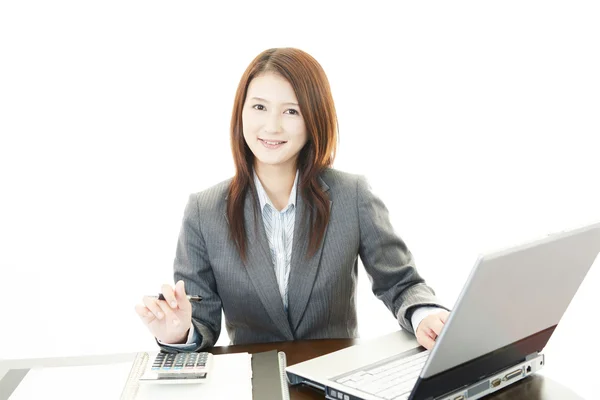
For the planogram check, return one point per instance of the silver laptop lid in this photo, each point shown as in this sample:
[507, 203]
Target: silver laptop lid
[514, 294]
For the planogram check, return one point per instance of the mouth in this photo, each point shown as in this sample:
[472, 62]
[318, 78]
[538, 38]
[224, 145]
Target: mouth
[272, 144]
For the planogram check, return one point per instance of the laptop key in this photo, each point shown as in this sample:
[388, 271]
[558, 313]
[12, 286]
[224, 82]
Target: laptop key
[391, 381]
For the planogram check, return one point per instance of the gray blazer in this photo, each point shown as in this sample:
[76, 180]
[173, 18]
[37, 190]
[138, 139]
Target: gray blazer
[321, 290]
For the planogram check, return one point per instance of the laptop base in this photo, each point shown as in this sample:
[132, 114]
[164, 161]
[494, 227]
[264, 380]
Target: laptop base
[475, 391]
[498, 381]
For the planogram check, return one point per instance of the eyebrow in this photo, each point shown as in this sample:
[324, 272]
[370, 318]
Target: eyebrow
[267, 101]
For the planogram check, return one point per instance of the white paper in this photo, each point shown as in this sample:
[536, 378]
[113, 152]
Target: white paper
[231, 378]
[94, 382]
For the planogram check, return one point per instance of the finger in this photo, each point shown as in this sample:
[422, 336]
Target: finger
[425, 328]
[425, 341]
[443, 315]
[167, 292]
[169, 314]
[431, 333]
[180, 288]
[144, 313]
[181, 296]
[436, 325]
[151, 304]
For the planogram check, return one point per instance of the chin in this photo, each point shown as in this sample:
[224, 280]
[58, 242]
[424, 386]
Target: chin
[272, 162]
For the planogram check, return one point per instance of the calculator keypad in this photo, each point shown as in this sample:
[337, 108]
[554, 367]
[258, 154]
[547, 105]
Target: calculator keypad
[180, 362]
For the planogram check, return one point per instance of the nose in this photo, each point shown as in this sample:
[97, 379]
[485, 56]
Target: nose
[273, 123]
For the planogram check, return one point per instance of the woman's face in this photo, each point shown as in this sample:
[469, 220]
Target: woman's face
[271, 121]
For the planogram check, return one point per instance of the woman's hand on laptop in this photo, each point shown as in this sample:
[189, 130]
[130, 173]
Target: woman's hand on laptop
[168, 320]
[430, 328]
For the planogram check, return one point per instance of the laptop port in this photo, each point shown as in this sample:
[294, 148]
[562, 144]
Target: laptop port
[461, 397]
[496, 382]
[513, 374]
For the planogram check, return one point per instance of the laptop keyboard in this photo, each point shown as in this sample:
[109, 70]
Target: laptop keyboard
[392, 380]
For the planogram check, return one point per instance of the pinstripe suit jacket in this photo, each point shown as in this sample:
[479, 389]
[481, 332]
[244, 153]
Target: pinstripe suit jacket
[322, 289]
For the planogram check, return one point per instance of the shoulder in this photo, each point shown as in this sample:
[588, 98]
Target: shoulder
[341, 181]
[212, 198]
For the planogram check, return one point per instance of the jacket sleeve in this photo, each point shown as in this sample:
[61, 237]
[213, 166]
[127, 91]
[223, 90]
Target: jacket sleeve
[388, 261]
[192, 265]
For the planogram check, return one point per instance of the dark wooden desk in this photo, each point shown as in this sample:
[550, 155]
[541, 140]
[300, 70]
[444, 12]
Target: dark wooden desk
[535, 387]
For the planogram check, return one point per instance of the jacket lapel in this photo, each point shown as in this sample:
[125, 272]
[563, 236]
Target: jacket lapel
[260, 267]
[303, 270]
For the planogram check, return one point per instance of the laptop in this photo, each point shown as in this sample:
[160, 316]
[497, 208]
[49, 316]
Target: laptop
[505, 314]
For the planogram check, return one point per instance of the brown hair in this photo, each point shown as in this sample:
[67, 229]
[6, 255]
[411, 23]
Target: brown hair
[312, 90]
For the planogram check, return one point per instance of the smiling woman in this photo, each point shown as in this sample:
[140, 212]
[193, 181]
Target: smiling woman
[284, 95]
[276, 247]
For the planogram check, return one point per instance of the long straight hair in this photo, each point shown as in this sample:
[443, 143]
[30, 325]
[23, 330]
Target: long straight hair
[313, 92]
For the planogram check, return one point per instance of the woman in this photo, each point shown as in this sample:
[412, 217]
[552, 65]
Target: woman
[276, 247]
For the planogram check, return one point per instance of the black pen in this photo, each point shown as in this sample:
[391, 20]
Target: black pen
[190, 298]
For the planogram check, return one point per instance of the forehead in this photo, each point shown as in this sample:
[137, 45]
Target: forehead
[272, 87]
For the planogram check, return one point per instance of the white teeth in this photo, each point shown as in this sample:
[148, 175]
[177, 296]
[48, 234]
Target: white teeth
[272, 143]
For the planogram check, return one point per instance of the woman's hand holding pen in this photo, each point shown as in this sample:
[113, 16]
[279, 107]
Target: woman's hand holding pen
[168, 320]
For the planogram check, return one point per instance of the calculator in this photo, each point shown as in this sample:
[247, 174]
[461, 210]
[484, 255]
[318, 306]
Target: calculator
[186, 367]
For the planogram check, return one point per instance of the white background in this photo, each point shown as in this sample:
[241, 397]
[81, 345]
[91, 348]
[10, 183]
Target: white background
[476, 123]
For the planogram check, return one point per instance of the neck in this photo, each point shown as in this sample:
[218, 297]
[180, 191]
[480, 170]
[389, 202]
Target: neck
[277, 180]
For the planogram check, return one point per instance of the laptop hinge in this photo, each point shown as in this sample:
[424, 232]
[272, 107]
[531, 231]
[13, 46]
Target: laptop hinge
[532, 356]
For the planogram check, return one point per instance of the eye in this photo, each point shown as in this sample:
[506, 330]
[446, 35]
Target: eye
[294, 112]
[258, 105]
